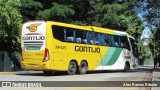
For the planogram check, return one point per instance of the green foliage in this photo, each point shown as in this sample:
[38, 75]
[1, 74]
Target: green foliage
[56, 12]
[29, 9]
[10, 25]
[143, 51]
[151, 15]
[152, 12]
[113, 14]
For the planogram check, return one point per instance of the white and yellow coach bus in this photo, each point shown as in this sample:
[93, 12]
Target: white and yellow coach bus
[53, 46]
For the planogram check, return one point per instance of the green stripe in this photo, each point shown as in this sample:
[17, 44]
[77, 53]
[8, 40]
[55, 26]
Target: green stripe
[111, 56]
[107, 56]
[114, 57]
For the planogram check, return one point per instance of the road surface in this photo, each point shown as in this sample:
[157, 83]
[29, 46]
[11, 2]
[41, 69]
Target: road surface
[141, 74]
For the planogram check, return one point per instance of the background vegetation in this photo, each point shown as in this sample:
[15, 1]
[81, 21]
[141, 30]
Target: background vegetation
[114, 14]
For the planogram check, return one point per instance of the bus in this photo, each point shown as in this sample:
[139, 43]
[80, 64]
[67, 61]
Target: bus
[54, 46]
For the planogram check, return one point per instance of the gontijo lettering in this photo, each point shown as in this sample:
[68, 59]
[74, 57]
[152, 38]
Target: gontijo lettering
[87, 49]
[33, 38]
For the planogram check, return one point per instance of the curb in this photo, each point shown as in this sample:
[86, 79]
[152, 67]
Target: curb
[4, 73]
[155, 77]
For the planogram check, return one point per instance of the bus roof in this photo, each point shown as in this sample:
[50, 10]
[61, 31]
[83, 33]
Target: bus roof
[88, 28]
[108, 31]
[68, 25]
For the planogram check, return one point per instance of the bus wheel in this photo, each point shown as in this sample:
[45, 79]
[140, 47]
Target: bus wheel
[72, 68]
[126, 67]
[82, 69]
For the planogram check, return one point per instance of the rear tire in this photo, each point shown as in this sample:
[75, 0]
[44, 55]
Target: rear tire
[72, 68]
[83, 67]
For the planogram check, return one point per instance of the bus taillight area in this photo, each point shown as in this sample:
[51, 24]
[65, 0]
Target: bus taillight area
[46, 55]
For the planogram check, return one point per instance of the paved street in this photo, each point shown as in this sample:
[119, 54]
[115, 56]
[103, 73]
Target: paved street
[141, 74]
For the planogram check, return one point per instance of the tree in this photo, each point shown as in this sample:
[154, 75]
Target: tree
[152, 12]
[10, 25]
[114, 14]
[29, 9]
[151, 15]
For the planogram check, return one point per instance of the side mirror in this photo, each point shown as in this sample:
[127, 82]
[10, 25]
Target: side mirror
[135, 43]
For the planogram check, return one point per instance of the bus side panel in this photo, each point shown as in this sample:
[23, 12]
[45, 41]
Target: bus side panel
[81, 52]
[112, 59]
[74, 52]
[57, 62]
[56, 55]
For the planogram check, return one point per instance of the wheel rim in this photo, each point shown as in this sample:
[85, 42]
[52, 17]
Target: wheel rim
[72, 68]
[83, 68]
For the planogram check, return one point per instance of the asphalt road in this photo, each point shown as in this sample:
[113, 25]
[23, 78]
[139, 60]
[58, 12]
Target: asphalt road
[140, 74]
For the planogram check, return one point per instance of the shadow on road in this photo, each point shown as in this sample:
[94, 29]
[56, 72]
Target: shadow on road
[40, 73]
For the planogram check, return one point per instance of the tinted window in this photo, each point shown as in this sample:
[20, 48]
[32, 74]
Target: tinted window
[105, 40]
[134, 47]
[116, 41]
[58, 32]
[88, 37]
[125, 43]
[79, 36]
[70, 35]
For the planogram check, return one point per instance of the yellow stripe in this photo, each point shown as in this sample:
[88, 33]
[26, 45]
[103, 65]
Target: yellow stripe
[2, 73]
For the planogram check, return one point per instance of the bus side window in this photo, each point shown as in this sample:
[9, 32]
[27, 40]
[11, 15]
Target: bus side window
[91, 37]
[84, 37]
[125, 42]
[134, 47]
[107, 40]
[102, 40]
[70, 35]
[122, 42]
[116, 41]
[96, 38]
[79, 36]
[58, 32]
[112, 43]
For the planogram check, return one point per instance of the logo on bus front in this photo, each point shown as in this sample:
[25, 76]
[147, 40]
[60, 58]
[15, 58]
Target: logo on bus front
[33, 27]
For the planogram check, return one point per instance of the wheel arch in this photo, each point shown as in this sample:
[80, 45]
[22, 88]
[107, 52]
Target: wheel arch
[74, 60]
[128, 64]
[85, 61]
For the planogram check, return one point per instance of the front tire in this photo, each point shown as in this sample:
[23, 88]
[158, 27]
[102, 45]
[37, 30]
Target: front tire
[126, 67]
[82, 69]
[72, 68]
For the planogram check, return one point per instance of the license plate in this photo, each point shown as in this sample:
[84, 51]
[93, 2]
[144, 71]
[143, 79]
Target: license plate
[32, 65]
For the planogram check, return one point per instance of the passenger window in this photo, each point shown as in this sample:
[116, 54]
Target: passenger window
[84, 38]
[70, 35]
[96, 38]
[134, 47]
[79, 36]
[112, 43]
[107, 40]
[91, 37]
[102, 39]
[116, 41]
[125, 43]
[58, 32]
